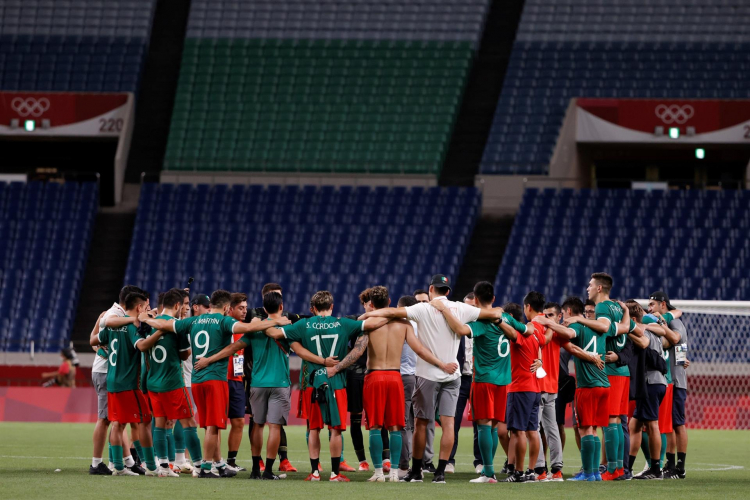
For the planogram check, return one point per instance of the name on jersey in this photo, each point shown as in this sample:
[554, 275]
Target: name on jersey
[121, 329]
[207, 321]
[322, 326]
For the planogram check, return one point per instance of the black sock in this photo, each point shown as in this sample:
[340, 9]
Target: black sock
[256, 465]
[314, 463]
[538, 470]
[385, 436]
[416, 464]
[134, 454]
[269, 466]
[556, 470]
[655, 466]
[282, 446]
[511, 468]
[441, 466]
[335, 465]
[670, 461]
[250, 429]
[681, 460]
[631, 462]
[232, 458]
[357, 438]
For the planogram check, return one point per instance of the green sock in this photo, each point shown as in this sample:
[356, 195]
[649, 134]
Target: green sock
[148, 457]
[193, 444]
[645, 447]
[587, 451]
[597, 454]
[620, 446]
[584, 458]
[117, 456]
[395, 443]
[138, 449]
[307, 437]
[170, 445]
[179, 438]
[495, 442]
[663, 456]
[376, 448]
[484, 436]
[160, 442]
[610, 446]
[206, 465]
[109, 447]
[342, 447]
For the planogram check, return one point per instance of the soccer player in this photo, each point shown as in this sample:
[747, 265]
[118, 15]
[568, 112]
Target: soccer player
[383, 386]
[237, 400]
[169, 398]
[181, 463]
[436, 392]
[327, 336]
[408, 372]
[355, 383]
[423, 297]
[125, 401]
[209, 334]
[270, 394]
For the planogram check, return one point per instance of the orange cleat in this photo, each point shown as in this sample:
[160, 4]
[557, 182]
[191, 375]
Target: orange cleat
[542, 477]
[320, 467]
[345, 467]
[313, 476]
[262, 466]
[557, 476]
[386, 466]
[619, 472]
[364, 466]
[339, 479]
[608, 476]
[286, 466]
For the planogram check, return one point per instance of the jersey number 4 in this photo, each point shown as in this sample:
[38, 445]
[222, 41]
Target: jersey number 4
[317, 338]
[592, 343]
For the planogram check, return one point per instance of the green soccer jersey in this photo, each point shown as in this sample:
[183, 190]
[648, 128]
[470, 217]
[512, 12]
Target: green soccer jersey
[209, 334]
[270, 360]
[164, 363]
[668, 317]
[325, 336]
[588, 374]
[124, 360]
[491, 353]
[615, 343]
[513, 323]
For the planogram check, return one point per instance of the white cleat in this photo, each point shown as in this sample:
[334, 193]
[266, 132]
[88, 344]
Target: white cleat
[363, 467]
[111, 466]
[124, 472]
[393, 476]
[167, 472]
[184, 467]
[484, 479]
[450, 469]
[479, 468]
[152, 473]
[402, 473]
[378, 477]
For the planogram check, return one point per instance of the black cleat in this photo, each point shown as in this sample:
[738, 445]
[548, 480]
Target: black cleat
[650, 476]
[429, 467]
[681, 474]
[137, 469]
[255, 475]
[226, 472]
[270, 477]
[670, 473]
[100, 470]
[207, 474]
[438, 479]
[505, 468]
[412, 477]
[516, 477]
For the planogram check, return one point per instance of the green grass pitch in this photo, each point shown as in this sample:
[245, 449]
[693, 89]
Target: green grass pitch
[718, 467]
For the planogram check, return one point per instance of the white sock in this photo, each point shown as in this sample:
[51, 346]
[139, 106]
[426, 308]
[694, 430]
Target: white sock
[179, 458]
[95, 461]
[220, 464]
[380, 470]
[129, 462]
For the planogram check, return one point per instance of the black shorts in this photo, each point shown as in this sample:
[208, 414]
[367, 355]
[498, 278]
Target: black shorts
[248, 406]
[678, 407]
[355, 387]
[522, 411]
[560, 406]
[647, 410]
[237, 399]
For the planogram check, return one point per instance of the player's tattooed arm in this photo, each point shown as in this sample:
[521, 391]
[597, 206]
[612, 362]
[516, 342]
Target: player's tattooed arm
[357, 351]
[201, 363]
[426, 354]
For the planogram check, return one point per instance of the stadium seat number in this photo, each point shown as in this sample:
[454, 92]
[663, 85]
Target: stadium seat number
[107, 125]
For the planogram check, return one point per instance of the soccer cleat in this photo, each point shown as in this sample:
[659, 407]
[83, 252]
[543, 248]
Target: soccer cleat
[138, 470]
[167, 472]
[338, 478]
[602, 468]
[401, 473]
[387, 465]
[255, 475]
[413, 477]
[111, 466]
[556, 477]
[530, 475]
[484, 479]
[597, 476]
[378, 477]
[516, 477]
[438, 478]
[582, 476]
[270, 477]
[125, 472]
[393, 476]
[480, 468]
[681, 474]
[100, 470]
[320, 467]
[505, 468]
[669, 473]
[226, 472]
[262, 466]
[345, 467]
[313, 476]
[450, 469]
[286, 466]
[152, 473]
[234, 468]
[650, 476]
[627, 475]
[184, 467]
[609, 476]
[429, 467]
[363, 467]
[543, 476]
[207, 474]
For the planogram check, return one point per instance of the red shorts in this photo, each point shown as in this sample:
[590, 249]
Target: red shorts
[383, 399]
[303, 402]
[488, 401]
[665, 411]
[173, 405]
[631, 409]
[591, 406]
[127, 407]
[212, 400]
[316, 418]
[619, 395]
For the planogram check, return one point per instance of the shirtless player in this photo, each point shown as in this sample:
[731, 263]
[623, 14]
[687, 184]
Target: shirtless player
[383, 390]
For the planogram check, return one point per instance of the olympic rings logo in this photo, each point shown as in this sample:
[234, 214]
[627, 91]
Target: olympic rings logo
[30, 106]
[674, 113]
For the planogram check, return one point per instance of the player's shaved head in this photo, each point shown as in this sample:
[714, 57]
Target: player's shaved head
[322, 301]
[220, 299]
[407, 301]
[379, 297]
[172, 298]
[484, 293]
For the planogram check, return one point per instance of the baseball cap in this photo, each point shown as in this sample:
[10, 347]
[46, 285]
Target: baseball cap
[440, 281]
[201, 299]
[662, 297]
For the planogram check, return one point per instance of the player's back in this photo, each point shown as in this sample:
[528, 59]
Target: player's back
[124, 358]
[385, 346]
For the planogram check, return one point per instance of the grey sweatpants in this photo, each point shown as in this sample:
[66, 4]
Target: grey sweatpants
[407, 433]
[548, 420]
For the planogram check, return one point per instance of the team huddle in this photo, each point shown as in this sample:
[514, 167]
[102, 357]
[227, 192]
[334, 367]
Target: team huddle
[164, 372]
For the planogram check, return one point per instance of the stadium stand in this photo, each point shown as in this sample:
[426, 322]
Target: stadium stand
[306, 238]
[365, 86]
[76, 45]
[46, 231]
[587, 48]
[695, 245]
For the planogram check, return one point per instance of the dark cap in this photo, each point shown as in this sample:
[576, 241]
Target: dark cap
[661, 297]
[440, 281]
[201, 299]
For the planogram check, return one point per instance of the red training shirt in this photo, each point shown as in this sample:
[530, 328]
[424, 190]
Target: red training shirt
[523, 351]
